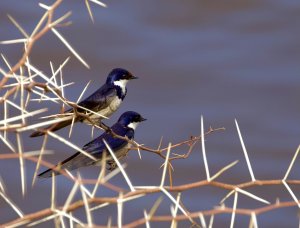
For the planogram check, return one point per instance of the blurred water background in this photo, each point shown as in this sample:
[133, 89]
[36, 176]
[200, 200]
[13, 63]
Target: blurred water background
[220, 59]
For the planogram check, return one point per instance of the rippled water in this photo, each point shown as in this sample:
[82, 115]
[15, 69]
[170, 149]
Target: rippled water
[223, 60]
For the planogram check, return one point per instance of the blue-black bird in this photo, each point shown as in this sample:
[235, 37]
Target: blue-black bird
[125, 127]
[105, 101]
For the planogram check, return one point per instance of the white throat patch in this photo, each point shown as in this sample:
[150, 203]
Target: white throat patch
[122, 83]
[133, 125]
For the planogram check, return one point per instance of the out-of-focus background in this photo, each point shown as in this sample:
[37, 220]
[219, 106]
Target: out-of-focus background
[220, 59]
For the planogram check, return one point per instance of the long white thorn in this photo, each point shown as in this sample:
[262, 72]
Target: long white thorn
[120, 209]
[15, 41]
[87, 208]
[234, 208]
[132, 197]
[165, 166]
[44, 6]
[45, 219]
[252, 196]
[9, 67]
[89, 10]
[13, 206]
[98, 3]
[227, 196]
[83, 91]
[22, 98]
[68, 143]
[5, 124]
[40, 158]
[81, 185]
[203, 150]
[71, 221]
[15, 118]
[202, 220]
[44, 97]
[174, 222]
[109, 222]
[120, 166]
[292, 163]
[254, 220]
[245, 151]
[18, 26]
[22, 168]
[291, 192]
[53, 191]
[65, 42]
[7, 143]
[174, 201]
[95, 113]
[62, 82]
[42, 75]
[54, 74]
[39, 24]
[71, 127]
[52, 71]
[224, 169]
[71, 196]
[146, 219]
[38, 125]
[15, 106]
[101, 174]
[54, 23]
[211, 221]
[155, 206]
[99, 206]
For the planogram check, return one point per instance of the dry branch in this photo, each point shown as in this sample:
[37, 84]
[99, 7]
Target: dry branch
[22, 80]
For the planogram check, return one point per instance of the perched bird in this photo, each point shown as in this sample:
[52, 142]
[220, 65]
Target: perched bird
[125, 127]
[105, 101]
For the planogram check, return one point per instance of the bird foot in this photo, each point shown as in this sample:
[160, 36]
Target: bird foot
[112, 166]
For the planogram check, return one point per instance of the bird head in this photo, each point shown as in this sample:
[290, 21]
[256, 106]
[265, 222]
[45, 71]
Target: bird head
[119, 77]
[130, 119]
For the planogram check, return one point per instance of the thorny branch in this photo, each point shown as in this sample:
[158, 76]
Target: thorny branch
[46, 24]
[181, 188]
[29, 45]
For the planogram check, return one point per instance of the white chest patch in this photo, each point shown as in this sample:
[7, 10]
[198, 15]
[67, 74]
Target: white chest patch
[115, 104]
[133, 125]
[122, 83]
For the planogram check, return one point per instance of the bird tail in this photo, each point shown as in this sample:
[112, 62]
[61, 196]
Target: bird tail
[53, 127]
[48, 173]
[75, 161]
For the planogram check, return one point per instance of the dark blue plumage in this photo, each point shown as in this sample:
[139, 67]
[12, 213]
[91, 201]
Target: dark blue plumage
[124, 127]
[105, 101]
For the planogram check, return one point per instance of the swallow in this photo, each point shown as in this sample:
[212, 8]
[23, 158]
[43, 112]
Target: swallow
[125, 127]
[105, 101]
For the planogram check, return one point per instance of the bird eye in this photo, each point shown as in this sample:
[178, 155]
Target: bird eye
[126, 76]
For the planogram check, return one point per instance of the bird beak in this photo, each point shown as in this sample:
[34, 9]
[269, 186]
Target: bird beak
[142, 119]
[133, 77]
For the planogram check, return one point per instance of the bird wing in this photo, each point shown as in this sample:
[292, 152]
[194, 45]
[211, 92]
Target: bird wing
[99, 99]
[96, 148]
